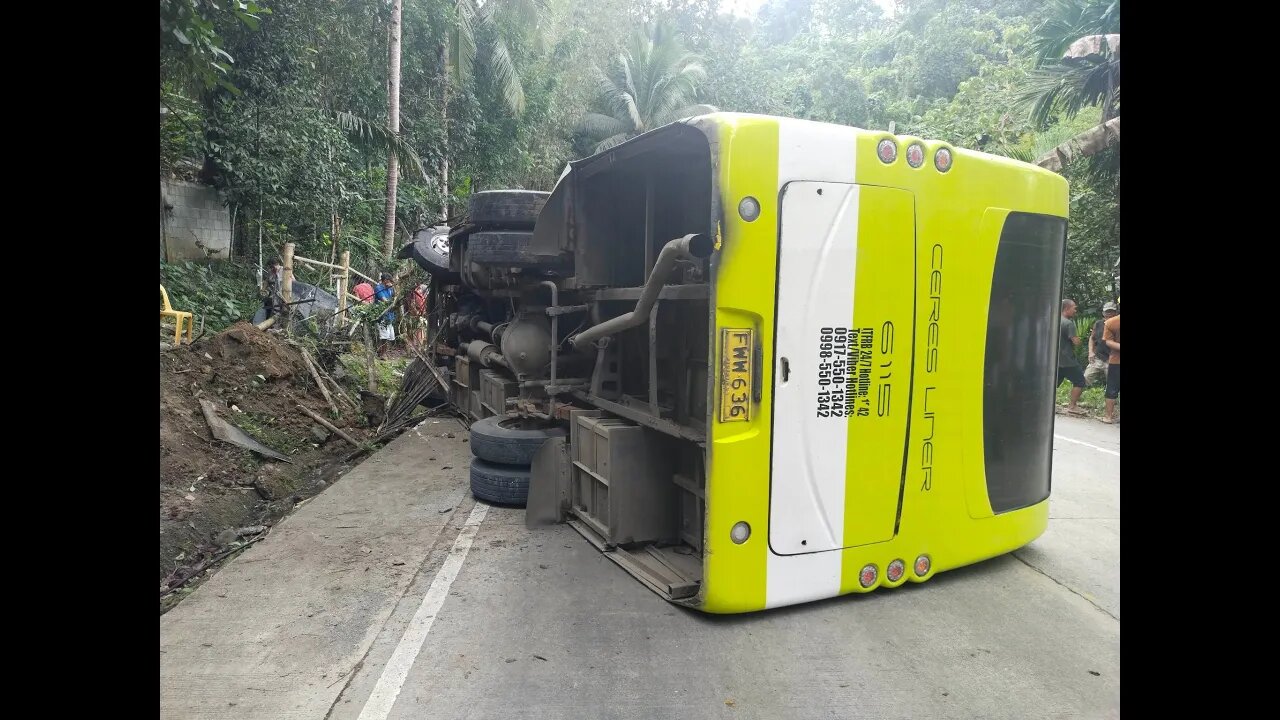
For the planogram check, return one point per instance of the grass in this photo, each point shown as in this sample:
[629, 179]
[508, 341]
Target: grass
[1091, 400]
[387, 380]
[266, 431]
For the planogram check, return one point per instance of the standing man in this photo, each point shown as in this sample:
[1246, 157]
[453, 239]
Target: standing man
[385, 291]
[415, 309]
[273, 277]
[1068, 367]
[1111, 336]
[364, 291]
[1098, 351]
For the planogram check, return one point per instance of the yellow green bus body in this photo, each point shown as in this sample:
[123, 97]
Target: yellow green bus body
[909, 364]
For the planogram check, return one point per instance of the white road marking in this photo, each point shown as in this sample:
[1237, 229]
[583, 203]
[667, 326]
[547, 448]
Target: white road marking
[1095, 447]
[379, 704]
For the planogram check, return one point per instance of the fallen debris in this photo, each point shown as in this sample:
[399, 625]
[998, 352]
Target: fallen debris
[324, 390]
[318, 418]
[226, 432]
[207, 484]
[195, 572]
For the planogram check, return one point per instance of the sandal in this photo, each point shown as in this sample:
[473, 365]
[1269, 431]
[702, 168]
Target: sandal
[1077, 412]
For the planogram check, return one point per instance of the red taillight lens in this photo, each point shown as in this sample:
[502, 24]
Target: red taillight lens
[868, 576]
[887, 150]
[915, 155]
[895, 570]
[923, 564]
[942, 159]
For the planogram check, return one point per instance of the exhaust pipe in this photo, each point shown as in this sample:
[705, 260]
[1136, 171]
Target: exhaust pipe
[694, 246]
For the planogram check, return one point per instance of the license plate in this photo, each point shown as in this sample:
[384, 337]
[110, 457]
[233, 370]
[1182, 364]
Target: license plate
[736, 348]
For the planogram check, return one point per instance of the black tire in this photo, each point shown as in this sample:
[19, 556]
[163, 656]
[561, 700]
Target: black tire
[499, 439]
[500, 484]
[510, 248]
[429, 252]
[506, 208]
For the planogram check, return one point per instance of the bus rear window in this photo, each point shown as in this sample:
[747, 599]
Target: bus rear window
[1021, 360]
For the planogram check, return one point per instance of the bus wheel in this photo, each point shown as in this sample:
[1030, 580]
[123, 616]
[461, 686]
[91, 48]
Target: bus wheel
[510, 249]
[499, 439]
[506, 208]
[500, 484]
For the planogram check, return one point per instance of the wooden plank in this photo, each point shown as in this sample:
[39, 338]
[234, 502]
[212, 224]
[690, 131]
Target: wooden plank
[317, 417]
[315, 375]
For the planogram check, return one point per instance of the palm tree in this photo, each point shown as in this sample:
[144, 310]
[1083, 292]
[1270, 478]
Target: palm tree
[393, 127]
[649, 84]
[1078, 67]
[371, 138]
[501, 23]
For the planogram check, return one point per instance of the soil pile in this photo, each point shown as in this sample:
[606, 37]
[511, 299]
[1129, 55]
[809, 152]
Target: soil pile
[210, 488]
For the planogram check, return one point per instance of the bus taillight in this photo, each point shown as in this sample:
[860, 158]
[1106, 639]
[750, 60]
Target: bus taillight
[868, 576]
[895, 570]
[887, 150]
[915, 155]
[922, 565]
[942, 159]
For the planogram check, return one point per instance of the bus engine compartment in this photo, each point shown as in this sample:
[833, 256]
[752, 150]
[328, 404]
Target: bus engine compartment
[573, 328]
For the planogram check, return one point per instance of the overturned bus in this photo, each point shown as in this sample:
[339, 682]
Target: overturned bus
[761, 361]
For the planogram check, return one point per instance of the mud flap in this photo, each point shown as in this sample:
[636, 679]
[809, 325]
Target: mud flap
[548, 485]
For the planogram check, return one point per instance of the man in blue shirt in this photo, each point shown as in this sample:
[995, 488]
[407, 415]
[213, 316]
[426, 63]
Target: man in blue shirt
[385, 291]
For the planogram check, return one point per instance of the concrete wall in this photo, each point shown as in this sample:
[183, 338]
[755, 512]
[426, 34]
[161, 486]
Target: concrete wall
[193, 222]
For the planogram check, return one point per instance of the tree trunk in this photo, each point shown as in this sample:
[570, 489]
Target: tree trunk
[393, 122]
[444, 125]
[444, 157]
[1090, 142]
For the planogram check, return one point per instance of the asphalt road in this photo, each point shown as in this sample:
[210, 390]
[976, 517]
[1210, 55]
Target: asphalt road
[394, 595]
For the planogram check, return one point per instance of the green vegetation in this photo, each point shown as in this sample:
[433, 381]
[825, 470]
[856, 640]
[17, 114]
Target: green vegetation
[267, 431]
[285, 108]
[356, 366]
[1091, 400]
[220, 293]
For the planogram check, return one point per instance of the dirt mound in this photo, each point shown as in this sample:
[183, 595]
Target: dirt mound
[256, 379]
[243, 351]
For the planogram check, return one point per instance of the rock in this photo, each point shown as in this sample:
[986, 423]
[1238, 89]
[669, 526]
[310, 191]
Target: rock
[226, 537]
[320, 433]
[261, 488]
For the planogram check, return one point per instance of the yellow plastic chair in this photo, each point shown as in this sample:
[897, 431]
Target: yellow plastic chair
[178, 317]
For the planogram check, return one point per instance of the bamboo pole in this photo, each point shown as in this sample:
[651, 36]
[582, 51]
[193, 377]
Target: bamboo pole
[315, 375]
[286, 283]
[318, 263]
[342, 288]
[350, 269]
[318, 418]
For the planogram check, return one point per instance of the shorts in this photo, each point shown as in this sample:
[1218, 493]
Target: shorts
[1096, 373]
[386, 331]
[1072, 373]
[1113, 382]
